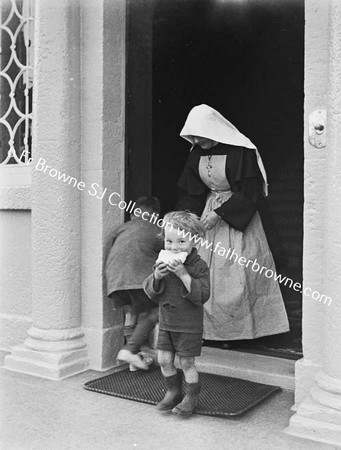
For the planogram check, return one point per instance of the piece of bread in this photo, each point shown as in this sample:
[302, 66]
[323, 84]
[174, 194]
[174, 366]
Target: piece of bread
[167, 256]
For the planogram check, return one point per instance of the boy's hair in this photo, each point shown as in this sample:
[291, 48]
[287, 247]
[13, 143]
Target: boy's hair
[150, 204]
[184, 220]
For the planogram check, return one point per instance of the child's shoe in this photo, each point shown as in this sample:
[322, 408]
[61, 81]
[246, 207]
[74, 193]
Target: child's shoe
[146, 358]
[133, 368]
[173, 395]
[129, 357]
[190, 402]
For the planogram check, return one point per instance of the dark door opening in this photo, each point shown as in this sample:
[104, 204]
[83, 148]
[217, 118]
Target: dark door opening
[245, 59]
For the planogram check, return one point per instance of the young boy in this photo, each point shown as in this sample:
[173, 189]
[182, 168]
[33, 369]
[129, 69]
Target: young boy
[181, 289]
[132, 256]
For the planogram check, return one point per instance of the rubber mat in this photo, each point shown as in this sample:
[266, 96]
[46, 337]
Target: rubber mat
[220, 396]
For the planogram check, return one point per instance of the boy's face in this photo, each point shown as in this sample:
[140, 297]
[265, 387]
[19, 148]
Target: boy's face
[176, 242]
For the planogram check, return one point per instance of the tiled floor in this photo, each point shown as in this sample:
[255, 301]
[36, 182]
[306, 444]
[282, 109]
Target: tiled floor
[40, 414]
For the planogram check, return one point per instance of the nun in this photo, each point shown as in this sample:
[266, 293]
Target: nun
[224, 182]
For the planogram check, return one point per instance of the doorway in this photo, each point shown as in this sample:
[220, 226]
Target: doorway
[245, 59]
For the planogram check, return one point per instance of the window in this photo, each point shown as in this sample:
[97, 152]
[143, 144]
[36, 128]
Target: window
[16, 81]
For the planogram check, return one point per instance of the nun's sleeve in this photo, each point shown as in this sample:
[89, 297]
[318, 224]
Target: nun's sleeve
[245, 180]
[192, 191]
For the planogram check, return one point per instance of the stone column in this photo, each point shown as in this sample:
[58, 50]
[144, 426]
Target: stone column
[103, 169]
[319, 414]
[316, 74]
[55, 347]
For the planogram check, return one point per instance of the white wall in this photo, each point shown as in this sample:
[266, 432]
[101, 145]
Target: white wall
[15, 276]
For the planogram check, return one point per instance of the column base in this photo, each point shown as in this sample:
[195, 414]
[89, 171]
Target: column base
[305, 372]
[315, 430]
[49, 365]
[318, 416]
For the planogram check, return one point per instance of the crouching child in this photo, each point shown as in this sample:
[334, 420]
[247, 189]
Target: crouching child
[131, 258]
[181, 289]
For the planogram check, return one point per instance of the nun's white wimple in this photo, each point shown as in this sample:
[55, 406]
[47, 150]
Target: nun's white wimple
[204, 121]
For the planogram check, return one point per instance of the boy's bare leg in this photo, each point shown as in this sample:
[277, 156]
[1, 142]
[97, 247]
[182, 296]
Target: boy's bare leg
[125, 354]
[130, 319]
[166, 361]
[188, 366]
[145, 324]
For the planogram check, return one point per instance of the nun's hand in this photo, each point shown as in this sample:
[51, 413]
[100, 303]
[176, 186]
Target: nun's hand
[210, 220]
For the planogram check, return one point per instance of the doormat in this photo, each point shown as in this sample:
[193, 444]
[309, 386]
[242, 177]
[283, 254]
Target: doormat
[220, 396]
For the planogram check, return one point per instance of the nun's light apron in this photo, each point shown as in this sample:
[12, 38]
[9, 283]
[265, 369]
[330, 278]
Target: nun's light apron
[245, 303]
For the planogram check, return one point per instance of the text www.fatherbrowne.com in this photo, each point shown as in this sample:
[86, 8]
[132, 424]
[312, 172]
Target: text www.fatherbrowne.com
[99, 193]
[254, 266]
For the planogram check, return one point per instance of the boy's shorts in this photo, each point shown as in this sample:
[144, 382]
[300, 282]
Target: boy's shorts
[184, 344]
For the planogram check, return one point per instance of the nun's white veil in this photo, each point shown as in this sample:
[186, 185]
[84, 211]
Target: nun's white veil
[204, 121]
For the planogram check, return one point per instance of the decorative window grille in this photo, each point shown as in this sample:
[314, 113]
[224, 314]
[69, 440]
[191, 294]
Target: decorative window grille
[16, 80]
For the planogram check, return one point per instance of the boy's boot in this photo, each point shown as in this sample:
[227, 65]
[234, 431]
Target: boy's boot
[190, 402]
[173, 395]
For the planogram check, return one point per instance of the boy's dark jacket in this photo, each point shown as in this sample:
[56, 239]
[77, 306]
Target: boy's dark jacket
[180, 310]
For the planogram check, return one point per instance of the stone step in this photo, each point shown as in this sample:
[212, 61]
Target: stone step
[247, 366]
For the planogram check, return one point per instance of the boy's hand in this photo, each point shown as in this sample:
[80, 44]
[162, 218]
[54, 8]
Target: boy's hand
[180, 271]
[161, 270]
[177, 268]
